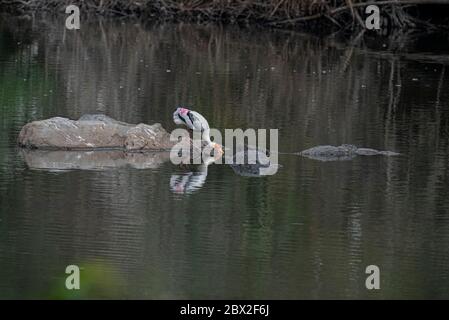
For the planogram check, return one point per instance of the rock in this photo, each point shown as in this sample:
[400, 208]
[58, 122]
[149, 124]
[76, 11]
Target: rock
[145, 137]
[102, 118]
[343, 152]
[92, 132]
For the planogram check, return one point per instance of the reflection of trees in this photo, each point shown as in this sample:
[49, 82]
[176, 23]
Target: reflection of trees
[303, 232]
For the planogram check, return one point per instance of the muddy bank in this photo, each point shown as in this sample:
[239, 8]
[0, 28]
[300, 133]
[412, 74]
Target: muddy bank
[303, 14]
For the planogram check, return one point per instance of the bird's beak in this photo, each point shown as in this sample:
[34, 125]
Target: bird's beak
[218, 148]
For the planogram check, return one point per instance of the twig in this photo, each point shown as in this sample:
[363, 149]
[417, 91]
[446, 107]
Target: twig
[359, 4]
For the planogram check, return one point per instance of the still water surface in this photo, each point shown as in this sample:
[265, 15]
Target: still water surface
[307, 232]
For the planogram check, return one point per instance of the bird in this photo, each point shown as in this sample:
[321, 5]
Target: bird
[196, 122]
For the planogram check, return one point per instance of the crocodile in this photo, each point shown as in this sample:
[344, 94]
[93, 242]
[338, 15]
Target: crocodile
[342, 152]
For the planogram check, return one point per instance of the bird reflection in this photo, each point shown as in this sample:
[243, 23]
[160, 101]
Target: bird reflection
[194, 176]
[191, 181]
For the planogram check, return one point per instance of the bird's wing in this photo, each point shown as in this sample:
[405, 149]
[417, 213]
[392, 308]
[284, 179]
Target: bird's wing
[199, 122]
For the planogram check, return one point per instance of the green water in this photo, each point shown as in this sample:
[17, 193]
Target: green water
[307, 232]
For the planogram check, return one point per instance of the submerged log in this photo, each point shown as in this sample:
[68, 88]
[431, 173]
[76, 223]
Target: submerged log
[92, 132]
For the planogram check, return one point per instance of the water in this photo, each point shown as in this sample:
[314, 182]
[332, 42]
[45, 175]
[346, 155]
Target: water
[307, 232]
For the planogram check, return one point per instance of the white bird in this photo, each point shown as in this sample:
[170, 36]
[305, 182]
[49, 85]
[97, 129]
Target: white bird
[196, 122]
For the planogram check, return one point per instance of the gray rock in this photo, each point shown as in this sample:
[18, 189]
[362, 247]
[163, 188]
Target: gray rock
[146, 137]
[341, 153]
[92, 132]
[103, 118]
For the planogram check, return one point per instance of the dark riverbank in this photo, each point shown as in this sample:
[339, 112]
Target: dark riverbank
[304, 14]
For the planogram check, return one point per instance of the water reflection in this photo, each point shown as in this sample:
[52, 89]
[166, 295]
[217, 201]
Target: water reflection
[55, 160]
[192, 178]
[307, 232]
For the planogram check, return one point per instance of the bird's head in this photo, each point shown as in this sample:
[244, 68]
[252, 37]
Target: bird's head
[178, 114]
[182, 111]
